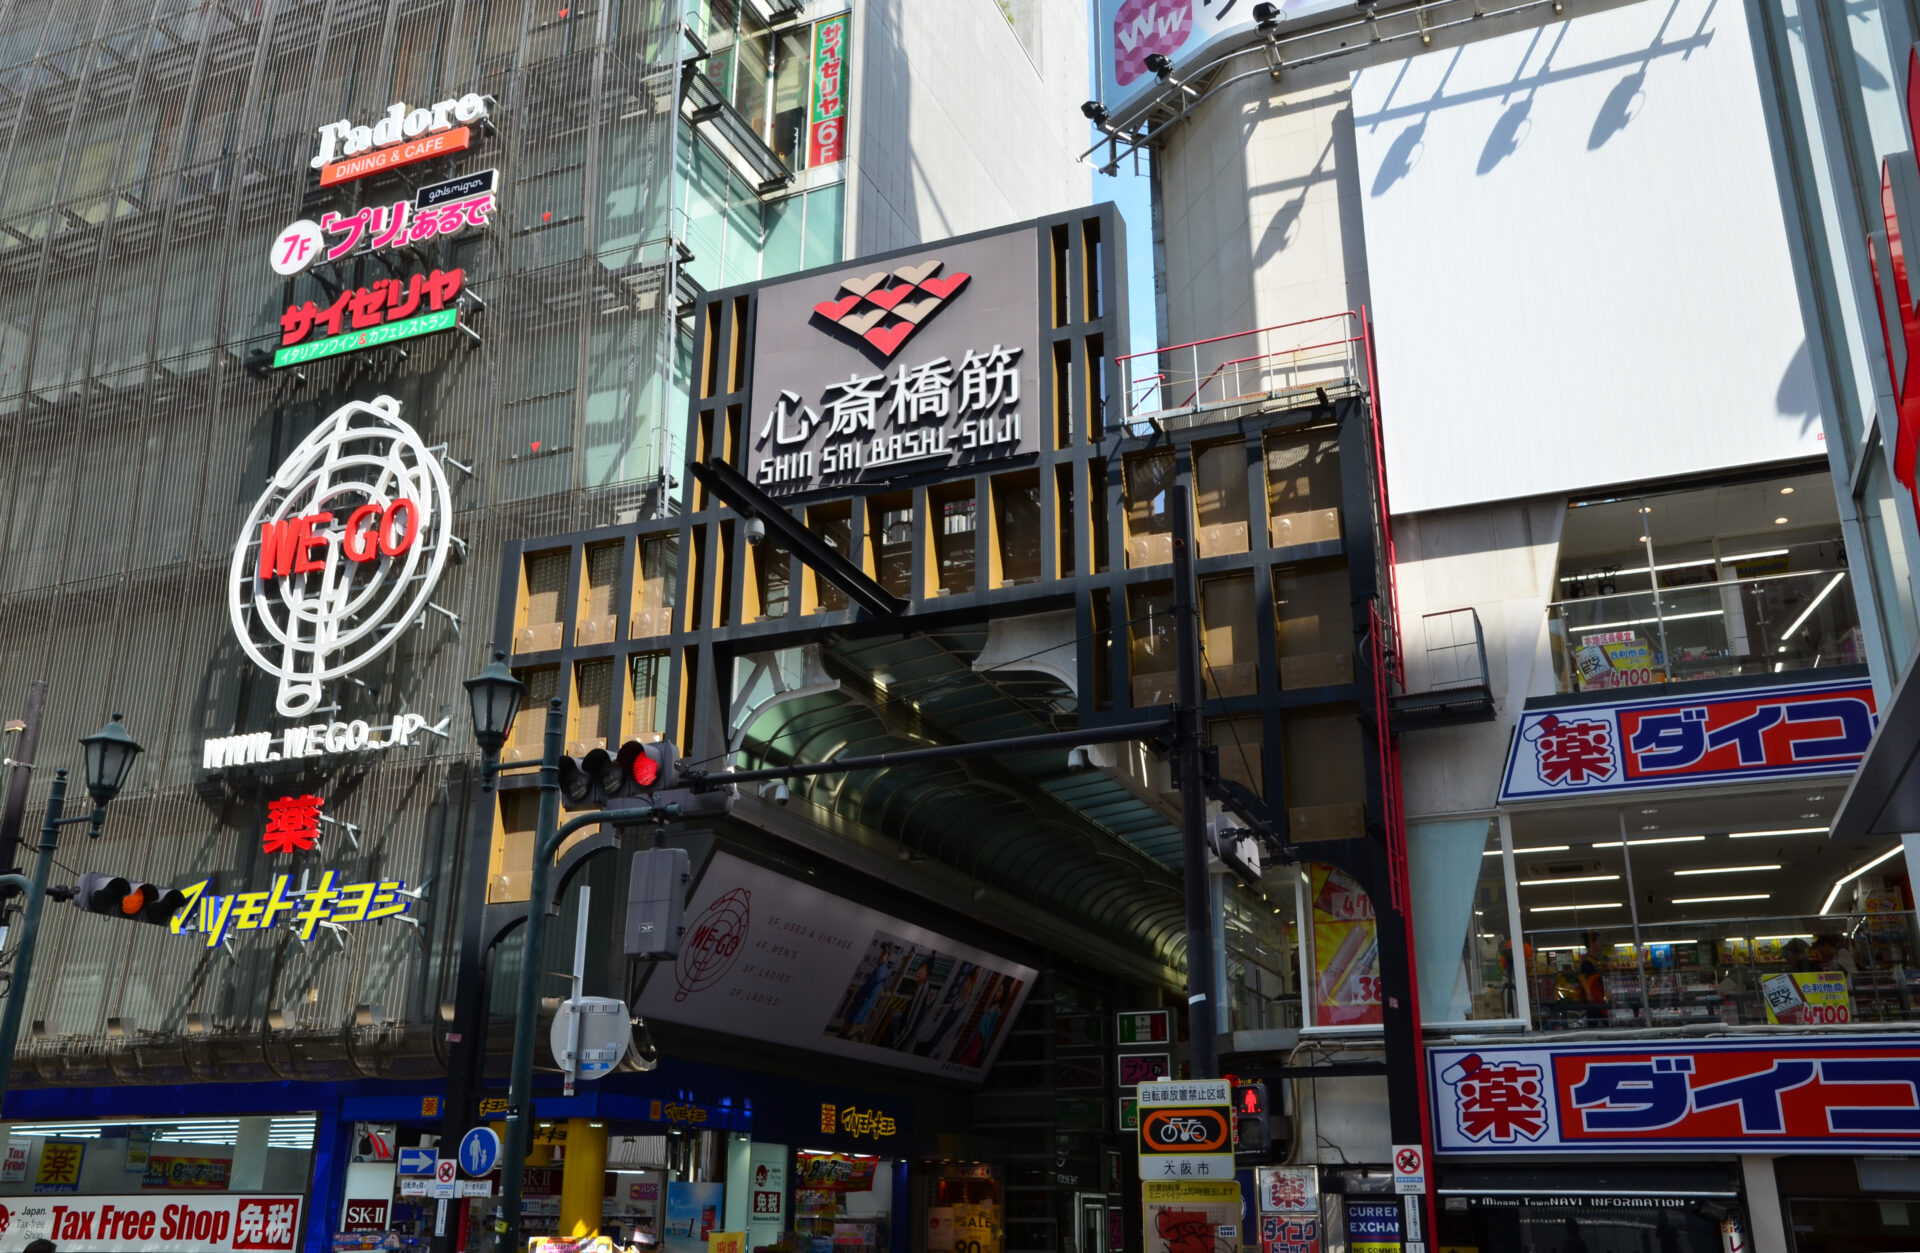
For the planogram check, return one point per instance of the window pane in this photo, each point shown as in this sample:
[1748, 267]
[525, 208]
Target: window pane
[1460, 920]
[825, 211]
[792, 77]
[785, 221]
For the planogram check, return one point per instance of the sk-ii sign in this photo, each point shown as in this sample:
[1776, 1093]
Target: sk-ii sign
[1766, 733]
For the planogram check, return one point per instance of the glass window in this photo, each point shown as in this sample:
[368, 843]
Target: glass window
[826, 216]
[1461, 924]
[790, 96]
[1262, 941]
[1743, 577]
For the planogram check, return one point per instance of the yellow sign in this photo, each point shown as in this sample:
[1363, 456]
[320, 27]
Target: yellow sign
[727, 1242]
[59, 1166]
[669, 1111]
[1818, 996]
[1346, 951]
[867, 1122]
[493, 1105]
[550, 1133]
[1374, 1246]
[1216, 1190]
[976, 1228]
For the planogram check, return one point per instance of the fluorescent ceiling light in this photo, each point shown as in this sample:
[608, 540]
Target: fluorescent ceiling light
[1731, 869]
[1658, 839]
[1783, 937]
[1665, 617]
[1761, 835]
[1539, 848]
[1814, 604]
[1561, 948]
[1582, 878]
[1561, 909]
[1713, 900]
[1845, 879]
[1771, 552]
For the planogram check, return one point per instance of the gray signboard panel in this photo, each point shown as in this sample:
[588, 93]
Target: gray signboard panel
[893, 368]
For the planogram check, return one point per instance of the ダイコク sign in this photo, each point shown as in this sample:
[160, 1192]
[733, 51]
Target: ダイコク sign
[1661, 741]
[1835, 1096]
[401, 137]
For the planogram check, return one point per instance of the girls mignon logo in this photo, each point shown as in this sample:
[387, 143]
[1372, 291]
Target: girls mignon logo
[718, 935]
[341, 552]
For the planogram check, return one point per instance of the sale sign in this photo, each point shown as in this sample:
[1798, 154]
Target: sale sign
[1346, 951]
[1803, 730]
[1838, 1096]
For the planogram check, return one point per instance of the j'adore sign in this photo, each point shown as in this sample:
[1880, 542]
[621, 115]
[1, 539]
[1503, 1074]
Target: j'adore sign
[402, 136]
[897, 366]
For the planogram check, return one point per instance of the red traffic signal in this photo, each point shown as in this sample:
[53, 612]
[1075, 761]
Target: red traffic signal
[636, 772]
[122, 898]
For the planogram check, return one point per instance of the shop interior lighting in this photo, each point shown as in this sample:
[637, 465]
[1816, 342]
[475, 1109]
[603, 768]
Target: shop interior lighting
[1807, 938]
[1663, 839]
[1761, 835]
[1561, 909]
[1538, 848]
[1786, 491]
[1582, 878]
[1770, 552]
[1680, 565]
[1561, 948]
[1715, 900]
[1731, 869]
[1849, 877]
[1815, 604]
[1667, 617]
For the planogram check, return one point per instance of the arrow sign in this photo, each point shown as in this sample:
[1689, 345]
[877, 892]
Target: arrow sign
[416, 1161]
[479, 1151]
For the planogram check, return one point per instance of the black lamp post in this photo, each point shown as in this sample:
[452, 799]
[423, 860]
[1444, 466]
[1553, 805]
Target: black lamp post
[494, 697]
[109, 756]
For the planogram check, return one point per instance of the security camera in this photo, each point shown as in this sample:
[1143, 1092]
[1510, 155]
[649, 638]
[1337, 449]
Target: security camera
[756, 532]
[1077, 759]
[1158, 65]
[780, 794]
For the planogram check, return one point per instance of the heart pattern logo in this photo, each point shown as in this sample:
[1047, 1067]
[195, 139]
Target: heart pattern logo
[884, 310]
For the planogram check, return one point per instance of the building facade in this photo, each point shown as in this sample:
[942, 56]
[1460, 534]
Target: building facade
[338, 306]
[1639, 658]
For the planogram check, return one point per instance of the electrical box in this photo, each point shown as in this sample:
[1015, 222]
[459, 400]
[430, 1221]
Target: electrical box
[656, 899]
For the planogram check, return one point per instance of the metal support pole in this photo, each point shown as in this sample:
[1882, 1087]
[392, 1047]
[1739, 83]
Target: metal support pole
[30, 933]
[467, 1037]
[1189, 752]
[20, 777]
[549, 836]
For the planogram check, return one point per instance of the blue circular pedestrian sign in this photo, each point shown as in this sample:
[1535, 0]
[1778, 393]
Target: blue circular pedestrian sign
[479, 1151]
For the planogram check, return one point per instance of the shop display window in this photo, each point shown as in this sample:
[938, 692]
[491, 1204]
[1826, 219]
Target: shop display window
[842, 1202]
[1743, 578]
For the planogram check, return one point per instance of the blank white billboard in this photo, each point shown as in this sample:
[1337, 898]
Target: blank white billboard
[1578, 260]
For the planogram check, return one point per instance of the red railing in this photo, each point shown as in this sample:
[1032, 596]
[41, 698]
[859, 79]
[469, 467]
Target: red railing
[1267, 362]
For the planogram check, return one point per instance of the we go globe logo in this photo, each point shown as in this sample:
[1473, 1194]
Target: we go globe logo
[1185, 1130]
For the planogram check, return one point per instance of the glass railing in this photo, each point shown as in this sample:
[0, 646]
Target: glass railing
[1797, 971]
[1750, 626]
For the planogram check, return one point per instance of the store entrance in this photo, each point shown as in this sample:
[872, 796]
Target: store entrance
[1577, 1224]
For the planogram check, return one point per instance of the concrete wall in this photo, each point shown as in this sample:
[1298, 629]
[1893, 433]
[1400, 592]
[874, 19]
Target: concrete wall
[1498, 559]
[961, 124]
[1260, 202]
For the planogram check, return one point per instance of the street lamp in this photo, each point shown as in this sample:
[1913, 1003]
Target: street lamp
[109, 756]
[495, 696]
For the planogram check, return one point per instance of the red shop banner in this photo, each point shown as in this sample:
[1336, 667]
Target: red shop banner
[1859, 1093]
[153, 1224]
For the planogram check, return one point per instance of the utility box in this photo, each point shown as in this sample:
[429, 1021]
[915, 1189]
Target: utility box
[656, 899]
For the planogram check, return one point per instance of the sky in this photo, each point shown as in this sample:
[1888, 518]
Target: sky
[1130, 192]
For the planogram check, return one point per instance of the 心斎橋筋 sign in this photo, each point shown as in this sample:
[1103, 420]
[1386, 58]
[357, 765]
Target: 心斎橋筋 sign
[898, 367]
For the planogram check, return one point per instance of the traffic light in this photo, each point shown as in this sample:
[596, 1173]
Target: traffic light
[637, 775]
[123, 898]
[1251, 1143]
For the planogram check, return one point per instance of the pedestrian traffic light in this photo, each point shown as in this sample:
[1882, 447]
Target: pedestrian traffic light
[632, 777]
[1251, 1142]
[123, 898]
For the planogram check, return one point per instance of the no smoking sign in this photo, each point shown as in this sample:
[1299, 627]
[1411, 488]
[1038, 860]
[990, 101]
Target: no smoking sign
[1409, 1170]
